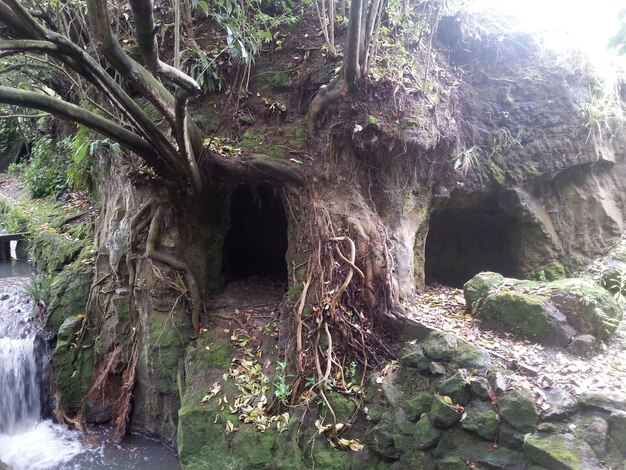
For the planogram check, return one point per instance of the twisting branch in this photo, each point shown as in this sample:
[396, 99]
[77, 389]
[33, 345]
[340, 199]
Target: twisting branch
[31, 99]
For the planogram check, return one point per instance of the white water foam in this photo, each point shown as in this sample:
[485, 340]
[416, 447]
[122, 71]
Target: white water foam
[45, 446]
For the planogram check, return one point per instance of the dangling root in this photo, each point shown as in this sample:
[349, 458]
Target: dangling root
[344, 291]
[125, 400]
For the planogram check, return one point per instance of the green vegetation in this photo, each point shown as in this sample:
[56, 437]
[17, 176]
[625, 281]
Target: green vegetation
[466, 160]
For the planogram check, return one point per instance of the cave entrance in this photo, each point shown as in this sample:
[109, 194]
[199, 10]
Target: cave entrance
[256, 242]
[463, 241]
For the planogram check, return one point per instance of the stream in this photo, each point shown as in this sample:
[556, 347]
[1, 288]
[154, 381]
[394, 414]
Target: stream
[28, 440]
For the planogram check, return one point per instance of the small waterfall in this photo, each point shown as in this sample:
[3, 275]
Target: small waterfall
[20, 395]
[27, 441]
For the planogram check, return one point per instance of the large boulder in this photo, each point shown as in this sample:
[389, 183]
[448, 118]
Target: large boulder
[552, 313]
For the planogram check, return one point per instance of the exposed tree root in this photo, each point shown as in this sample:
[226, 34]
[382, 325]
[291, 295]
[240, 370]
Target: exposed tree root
[344, 293]
[123, 404]
[153, 253]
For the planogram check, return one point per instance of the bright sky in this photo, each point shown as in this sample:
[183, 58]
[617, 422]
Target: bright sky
[572, 23]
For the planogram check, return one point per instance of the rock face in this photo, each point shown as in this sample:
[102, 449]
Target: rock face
[554, 313]
[540, 187]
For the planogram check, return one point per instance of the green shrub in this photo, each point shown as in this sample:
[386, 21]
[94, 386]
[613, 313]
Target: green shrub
[45, 174]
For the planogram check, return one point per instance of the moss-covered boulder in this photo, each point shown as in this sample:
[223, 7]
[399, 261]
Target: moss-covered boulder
[589, 308]
[517, 408]
[560, 452]
[551, 313]
[478, 287]
[442, 414]
[381, 440]
[482, 419]
[440, 346]
[426, 435]
[416, 359]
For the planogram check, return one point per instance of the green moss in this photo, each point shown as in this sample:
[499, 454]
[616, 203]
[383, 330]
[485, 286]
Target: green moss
[295, 137]
[13, 218]
[343, 406]
[254, 448]
[210, 350]
[517, 407]
[559, 451]
[326, 457]
[167, 336]
[71, 365]
[477, 288]
[520, 313]
[295, 290]
[272, 80]
[68, 293]
[550, 272]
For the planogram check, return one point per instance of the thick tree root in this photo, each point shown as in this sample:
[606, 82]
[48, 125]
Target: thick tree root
[153, 253]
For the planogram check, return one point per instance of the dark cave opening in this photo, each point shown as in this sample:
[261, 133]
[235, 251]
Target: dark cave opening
[462, 242]
[256, 242]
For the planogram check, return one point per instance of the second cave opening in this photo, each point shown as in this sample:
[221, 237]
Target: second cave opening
[463, 241]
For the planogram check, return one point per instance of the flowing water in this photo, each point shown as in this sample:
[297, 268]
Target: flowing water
[27, 440]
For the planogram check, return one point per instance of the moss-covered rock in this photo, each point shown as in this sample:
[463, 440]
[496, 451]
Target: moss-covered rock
[418, 405]
[426, 435]
[607, 402]
[444, 348]
[562, 404]
[440, 346]
[548, 312]
[592, 429]
[517, 408]
[617, 430]
[589, 308]
[416, 359]
[51, 251]
[457, 388]
[520, 313]
[381, 441]
[443, 415]
[481, 419]
[468, 447]
[552, 271]
[451, 463]
[477, 288]
[480, 388]
[559, 452]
